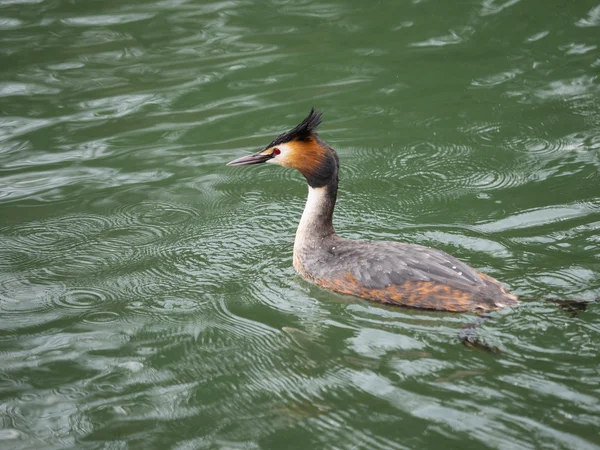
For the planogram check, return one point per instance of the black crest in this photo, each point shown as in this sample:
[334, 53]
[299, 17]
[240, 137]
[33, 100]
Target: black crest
[302, 131]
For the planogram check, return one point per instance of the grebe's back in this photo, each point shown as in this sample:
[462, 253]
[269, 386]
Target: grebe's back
[400, 274]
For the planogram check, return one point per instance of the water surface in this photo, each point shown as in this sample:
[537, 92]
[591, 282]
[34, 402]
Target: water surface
[147, 298]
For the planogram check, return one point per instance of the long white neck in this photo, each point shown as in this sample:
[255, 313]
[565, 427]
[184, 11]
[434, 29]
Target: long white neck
[316, 222]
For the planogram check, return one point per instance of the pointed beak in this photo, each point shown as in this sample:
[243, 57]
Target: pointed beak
[256, 158]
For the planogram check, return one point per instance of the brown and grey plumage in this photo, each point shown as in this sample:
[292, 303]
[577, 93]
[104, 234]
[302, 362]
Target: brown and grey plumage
[388, 272]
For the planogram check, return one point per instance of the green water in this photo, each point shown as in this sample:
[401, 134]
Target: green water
[147, 296]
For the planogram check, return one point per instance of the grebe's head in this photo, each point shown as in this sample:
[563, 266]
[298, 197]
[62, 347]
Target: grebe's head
[301, 149]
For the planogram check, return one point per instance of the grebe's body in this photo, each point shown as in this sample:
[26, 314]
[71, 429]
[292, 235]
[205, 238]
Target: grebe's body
[387, 272]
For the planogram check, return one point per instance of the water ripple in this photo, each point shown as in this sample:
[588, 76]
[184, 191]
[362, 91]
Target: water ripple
[496, 79]
[592, 19]
[491, 7]
[81, 299]
[155, 214]
[105, 20]
[453, 38]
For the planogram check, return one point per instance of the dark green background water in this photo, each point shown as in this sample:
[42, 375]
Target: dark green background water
[147, 297]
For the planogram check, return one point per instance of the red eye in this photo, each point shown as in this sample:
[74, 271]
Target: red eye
[276, 151]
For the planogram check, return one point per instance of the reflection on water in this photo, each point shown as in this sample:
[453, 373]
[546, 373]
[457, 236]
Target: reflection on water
[146, 290]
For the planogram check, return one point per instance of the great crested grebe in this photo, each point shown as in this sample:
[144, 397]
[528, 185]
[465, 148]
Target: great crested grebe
[387, 272]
